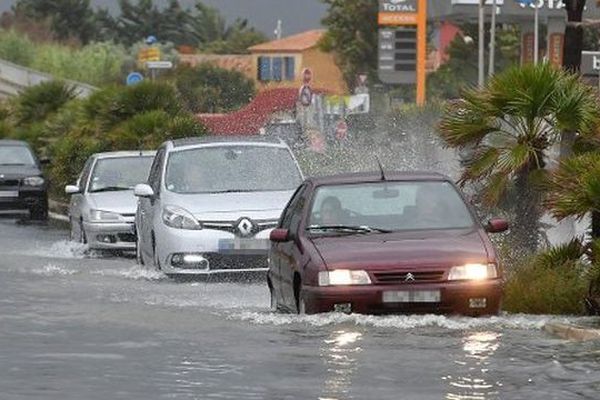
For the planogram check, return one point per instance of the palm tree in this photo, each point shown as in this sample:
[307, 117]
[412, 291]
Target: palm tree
[511, 124]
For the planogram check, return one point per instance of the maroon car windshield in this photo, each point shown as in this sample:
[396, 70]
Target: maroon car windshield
[390, 206]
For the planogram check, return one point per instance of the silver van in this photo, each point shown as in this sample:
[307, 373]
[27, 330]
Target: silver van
[210, 203]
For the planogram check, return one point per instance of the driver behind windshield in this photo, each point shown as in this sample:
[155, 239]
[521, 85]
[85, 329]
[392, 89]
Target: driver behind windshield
[331, 211]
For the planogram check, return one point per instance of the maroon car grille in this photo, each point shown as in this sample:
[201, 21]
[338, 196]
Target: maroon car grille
[395, 277]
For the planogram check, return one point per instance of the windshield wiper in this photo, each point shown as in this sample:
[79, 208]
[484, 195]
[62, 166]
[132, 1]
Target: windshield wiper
[347, 228]
[14, 164]
[110, 189]
[234, 191]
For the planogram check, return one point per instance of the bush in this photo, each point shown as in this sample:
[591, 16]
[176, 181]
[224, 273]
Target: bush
[209, 89]
[150, 129]
[116, 118]
[69, 154]
[555, 281]
[16, 48]
[36, 103]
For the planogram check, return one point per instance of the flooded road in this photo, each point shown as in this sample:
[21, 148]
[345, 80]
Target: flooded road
[84, 327]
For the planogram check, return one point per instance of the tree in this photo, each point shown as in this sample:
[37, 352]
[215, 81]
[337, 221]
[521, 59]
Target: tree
[209, 89]
[202, 26]
[236, 39]
[460, 70]
[573, 44]
[352, 36]
[512, 123]
[69, 18]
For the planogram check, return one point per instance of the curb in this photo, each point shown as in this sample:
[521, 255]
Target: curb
[572, 332]
[58, 211]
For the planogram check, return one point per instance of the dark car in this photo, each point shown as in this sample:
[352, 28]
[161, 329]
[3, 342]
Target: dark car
[22, 183]
[373, 243]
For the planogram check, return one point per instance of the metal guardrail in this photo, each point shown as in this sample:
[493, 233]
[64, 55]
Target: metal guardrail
[15, 78]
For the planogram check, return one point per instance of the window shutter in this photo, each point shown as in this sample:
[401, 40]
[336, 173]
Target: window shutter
[264, 68]
[277, 68]
[290, 68]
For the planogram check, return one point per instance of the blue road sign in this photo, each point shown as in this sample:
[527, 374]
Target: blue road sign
[151, 39]
[133, 78]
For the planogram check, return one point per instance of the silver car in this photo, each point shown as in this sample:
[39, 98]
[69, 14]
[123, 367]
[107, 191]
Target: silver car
[102, 207]
[210, 204]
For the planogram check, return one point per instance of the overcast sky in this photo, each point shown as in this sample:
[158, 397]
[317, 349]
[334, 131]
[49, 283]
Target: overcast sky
[297, 15]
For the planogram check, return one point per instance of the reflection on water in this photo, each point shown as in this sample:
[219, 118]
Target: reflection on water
[470, 383]
[339, 352]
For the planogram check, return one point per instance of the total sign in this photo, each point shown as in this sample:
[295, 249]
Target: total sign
[398, 6]
[398, 12]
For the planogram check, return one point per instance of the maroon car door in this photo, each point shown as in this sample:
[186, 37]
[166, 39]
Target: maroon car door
[275, 256]
[290, 251]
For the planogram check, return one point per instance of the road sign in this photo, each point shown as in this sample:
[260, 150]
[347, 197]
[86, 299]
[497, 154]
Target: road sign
[403, 43]
[590, 63]
[149, 54]
[341, 130]
[133, 78]
[159, 64]
[306, 95]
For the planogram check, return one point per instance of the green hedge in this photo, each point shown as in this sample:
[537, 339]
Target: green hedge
[96, 63]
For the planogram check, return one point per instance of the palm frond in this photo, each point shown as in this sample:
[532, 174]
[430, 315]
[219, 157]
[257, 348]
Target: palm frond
[560, 255]
[575, 187]
[495, 188]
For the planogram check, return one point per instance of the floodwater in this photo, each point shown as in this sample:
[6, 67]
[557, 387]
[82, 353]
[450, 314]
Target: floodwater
[81, 326]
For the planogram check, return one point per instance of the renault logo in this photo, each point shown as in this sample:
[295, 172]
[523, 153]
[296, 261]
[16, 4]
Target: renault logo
[409, 277]
[245, 227]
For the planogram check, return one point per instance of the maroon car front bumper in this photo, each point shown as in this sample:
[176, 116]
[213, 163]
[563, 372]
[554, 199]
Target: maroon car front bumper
[455, 298]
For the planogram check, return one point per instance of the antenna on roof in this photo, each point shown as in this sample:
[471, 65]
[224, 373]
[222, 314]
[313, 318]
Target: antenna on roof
[279, 30]
[380, 168]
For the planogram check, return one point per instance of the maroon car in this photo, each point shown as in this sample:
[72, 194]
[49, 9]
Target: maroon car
[401, 242]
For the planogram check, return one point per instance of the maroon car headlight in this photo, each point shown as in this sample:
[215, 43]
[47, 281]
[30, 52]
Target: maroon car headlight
[344, 277]
[473, 272]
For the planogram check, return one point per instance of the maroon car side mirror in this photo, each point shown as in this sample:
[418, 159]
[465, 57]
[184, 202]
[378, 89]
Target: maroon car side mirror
[496, 225]
[279, 235]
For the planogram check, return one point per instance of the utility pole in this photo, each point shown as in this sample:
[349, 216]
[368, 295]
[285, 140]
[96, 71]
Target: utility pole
[536, 34]
[481, 61]
[492, 66]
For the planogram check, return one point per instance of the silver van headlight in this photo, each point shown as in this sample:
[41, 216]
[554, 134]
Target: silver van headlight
[180, 218]
[104, 216]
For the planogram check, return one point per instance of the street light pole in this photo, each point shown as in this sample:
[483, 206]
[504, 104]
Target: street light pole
[491, 69]
[536, 33]
[481, 62]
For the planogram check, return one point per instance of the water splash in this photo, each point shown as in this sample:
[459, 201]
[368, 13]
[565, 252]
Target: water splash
[136, 272]
[63, 249]
[54, 270]
[507, 321]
